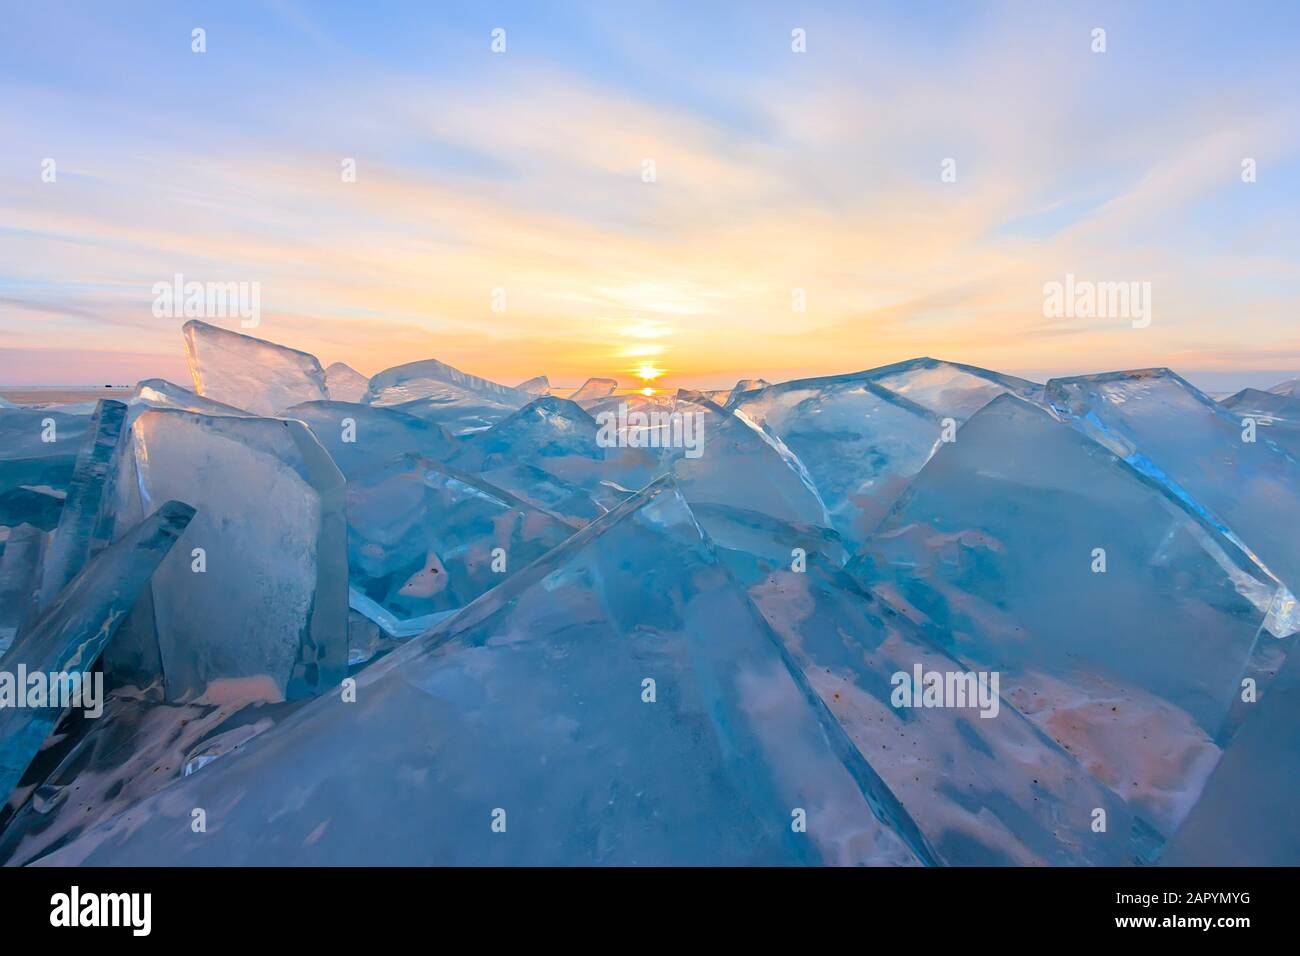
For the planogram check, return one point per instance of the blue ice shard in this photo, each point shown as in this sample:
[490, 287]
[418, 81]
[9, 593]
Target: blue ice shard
[38, 447]
[259, 592]
[424, 540]
[595, 388]
[723, 396]
[160, 393]
[1119, 623]
[64, 642]
[39, 507]
[538, 386]
[1240, 481]
[1248, 814]
[361, 437]
[460, 402]
[85, 524]
[1276, 418]
[548, 454]
[548, 432]
[618, 702]
[250, 373]
[726, 467]
[1261, 404]
[860, 442]
[20, 579]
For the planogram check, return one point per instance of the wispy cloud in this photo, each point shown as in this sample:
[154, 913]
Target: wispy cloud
[777, 178]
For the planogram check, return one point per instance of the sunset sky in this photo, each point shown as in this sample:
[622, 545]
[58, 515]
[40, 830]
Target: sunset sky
[774, 171]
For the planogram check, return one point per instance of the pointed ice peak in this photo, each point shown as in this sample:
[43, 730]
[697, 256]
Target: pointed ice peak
[951, 388]
[541, 385]
[860, 442]
[547, 427]
[1253, 401]
[1290, 388]
[344, 383]
[250, 373]
[595, 388]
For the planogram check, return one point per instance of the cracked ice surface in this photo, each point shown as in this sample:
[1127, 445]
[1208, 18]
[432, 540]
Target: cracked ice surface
[660, 628]
[980, 552]
[520, 702]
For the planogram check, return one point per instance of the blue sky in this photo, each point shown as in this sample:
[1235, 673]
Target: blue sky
[775, 171]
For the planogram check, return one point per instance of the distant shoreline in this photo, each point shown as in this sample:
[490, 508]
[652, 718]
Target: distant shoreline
[61, 394]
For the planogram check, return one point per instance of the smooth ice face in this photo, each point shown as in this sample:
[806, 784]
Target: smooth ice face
[539, 386]
[38, 447]
[343, 383]
[548, 711]
[1290, 388]
[257, 376]
[69, 636]
[983, 785]
[460, 402]
[951, 389]
[85, 525]
[860, 442]
[259, 592]
[594, 388]
[362, 437]
[20, 577]
[1180, 438]
[727, 462]
[160, 393]
[1248, 814]
[1119, 625]
[424, 541]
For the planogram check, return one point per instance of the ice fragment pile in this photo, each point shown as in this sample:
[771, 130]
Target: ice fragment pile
[923, 614]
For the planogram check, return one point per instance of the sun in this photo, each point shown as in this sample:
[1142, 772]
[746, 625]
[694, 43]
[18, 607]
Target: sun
[648, 373]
